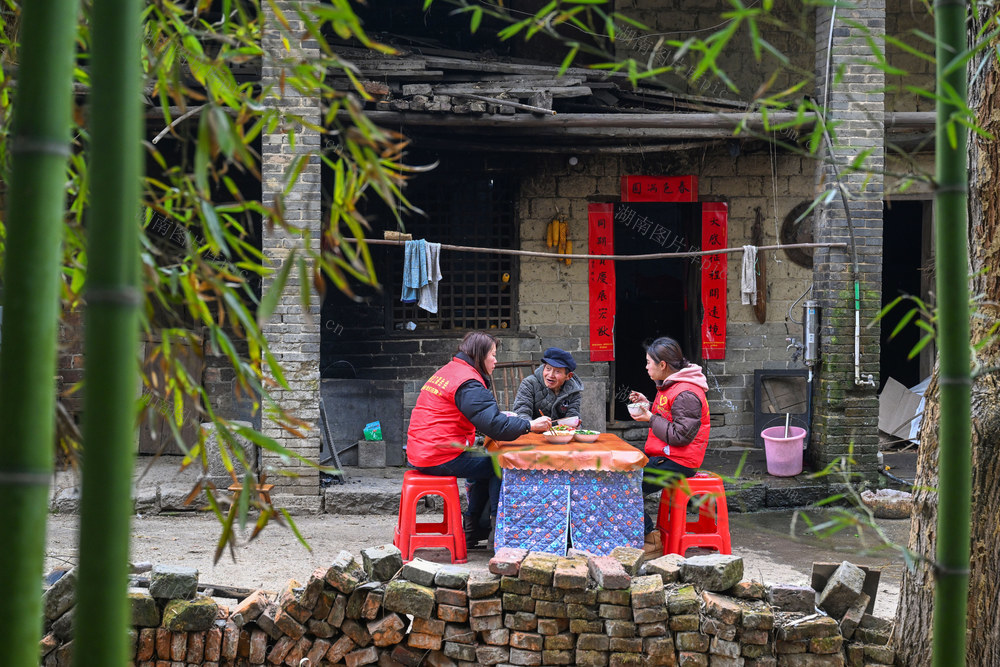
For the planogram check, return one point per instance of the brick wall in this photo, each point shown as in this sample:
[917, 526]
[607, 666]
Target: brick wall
[845, 415]
[294, 335]
[553, 297]
[901, 20]
[673, 21]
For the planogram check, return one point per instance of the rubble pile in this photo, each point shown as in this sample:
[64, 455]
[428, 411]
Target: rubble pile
[529, 609]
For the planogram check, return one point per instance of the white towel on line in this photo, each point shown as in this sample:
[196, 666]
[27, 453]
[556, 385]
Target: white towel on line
[748, 276]
[428, 294]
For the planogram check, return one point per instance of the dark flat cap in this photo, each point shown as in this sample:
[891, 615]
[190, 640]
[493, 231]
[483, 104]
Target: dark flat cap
[559, 358]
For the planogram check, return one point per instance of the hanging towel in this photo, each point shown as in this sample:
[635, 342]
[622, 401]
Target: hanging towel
[414, 270]
[748, 277]
[429, 292]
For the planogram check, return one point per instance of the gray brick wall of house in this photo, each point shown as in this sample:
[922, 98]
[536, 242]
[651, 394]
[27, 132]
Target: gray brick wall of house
[845, 415]
[294, 335]
[553, 298]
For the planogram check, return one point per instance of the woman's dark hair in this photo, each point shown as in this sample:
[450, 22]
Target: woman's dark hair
[668, 350]
[476, 345]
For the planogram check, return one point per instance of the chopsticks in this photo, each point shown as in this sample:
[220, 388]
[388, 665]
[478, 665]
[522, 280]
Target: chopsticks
[551, 422]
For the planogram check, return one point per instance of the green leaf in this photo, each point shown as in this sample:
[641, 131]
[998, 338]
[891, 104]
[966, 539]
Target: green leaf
[295, 529]
[568, 60]
[903, 321]
[270, 299]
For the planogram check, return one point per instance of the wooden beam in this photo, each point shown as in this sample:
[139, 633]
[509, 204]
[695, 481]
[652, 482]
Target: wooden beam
[730, 121]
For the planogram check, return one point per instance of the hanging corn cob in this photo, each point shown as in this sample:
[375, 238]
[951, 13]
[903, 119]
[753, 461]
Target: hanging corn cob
[552, 233]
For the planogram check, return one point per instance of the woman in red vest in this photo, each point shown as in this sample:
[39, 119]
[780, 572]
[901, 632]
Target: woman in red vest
[678, 423]
[452, 405]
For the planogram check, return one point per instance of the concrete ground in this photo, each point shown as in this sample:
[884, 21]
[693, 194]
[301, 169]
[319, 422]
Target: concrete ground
[772, 536]
[771, 549]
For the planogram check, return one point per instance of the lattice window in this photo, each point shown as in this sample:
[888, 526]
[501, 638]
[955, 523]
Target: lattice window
[477, 290]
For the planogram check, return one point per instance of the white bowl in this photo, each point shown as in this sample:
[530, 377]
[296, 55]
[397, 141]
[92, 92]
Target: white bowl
[586, 437]
[557, 438]
[572, 422]
[636, 409]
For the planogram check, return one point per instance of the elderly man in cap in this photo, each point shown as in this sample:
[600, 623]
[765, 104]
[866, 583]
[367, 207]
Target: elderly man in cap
[552, 390]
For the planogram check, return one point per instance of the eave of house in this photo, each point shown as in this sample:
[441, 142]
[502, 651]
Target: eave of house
[445, 99]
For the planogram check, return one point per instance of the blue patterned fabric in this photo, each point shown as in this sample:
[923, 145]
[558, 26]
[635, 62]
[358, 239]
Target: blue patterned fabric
[534, 511]
[540, 509]
[606, 510]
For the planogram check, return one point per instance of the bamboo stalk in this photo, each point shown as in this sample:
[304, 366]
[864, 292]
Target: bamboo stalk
[951, 579]
[39, 151]
[111, 335]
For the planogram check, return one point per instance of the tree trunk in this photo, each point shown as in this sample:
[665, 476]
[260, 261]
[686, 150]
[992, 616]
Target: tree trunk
[914, 613]
[984, 252]
[916, 594]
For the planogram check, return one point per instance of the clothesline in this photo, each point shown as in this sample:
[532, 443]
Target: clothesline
[617, 258]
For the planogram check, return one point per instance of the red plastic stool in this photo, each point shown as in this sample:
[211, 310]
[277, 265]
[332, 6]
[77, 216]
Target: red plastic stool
[411, 535]
[712, 527]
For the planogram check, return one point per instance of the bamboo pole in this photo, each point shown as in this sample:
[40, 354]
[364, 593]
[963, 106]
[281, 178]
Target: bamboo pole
[111, 335]
[952, 251]
[39, 147]
[615, 258]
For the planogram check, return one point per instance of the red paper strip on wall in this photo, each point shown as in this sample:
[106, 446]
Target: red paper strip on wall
[714, 223]
[601, 282]
[659, 188]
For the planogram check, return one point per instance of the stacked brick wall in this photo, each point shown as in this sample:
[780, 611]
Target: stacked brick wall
[530, 609]
[294, 335]
[845, 414]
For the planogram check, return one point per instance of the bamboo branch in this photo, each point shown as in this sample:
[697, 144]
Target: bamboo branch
[508, 103]
[177, 121]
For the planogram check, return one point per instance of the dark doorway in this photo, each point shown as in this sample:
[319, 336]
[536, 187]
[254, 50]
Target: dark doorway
[654, 297]
[906, 233]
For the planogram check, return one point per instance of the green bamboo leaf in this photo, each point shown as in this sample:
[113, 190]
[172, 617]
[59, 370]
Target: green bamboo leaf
[295, 529]
[305, 286]
[274, 291]
[903, 321]
[226, 534]
[273, 446]
[921, 344]
[249, 484]
[202, 156]
[213, 230]
[275, 368]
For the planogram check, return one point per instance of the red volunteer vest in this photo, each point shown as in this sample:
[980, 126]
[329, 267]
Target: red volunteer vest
[690, 455]
[436, 423]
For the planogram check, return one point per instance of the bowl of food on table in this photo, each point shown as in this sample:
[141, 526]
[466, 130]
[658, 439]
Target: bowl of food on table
[559, 434]
[584, 435]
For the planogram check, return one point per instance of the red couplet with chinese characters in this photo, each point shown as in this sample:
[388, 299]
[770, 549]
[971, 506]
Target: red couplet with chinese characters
[602, 282]
[714, 221]
[659, 188]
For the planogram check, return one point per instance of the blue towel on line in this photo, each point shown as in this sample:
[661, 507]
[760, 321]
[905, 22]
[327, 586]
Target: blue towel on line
[414, 270]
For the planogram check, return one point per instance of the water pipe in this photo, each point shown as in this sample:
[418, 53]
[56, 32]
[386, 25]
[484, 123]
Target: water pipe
[859, 379]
